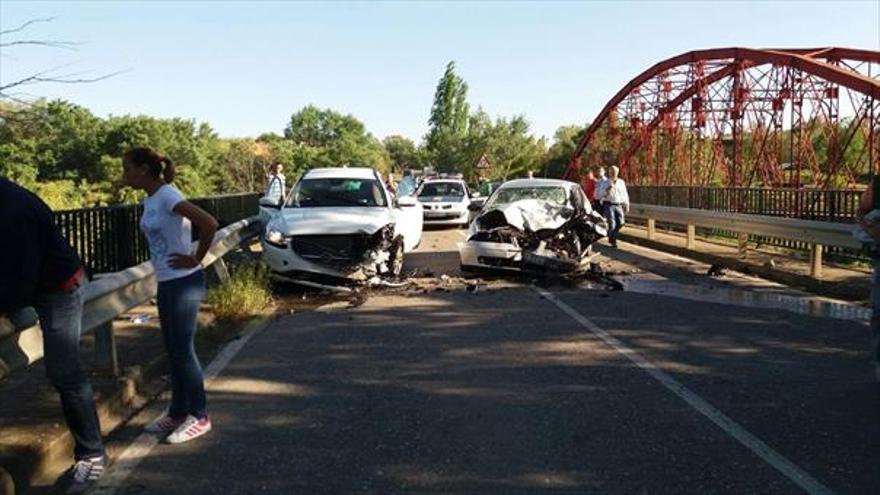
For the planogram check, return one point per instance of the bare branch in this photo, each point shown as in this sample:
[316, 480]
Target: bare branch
[26, 24]
[65, 45]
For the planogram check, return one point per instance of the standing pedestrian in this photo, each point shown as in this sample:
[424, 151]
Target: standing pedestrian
[616, 203]
[276, 184]
[870, 202]
[39, 268]
[390, 184]
[167, 222]
[599, 193]
[590, 188]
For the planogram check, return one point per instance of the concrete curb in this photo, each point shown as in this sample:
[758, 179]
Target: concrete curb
[25, 468]
[132, 392]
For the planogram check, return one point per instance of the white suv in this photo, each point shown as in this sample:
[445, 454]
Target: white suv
[340, 223]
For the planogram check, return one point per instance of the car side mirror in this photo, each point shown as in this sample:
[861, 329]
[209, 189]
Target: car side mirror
[406, 201]
[475, 195]
[475, 206]
[268, 202]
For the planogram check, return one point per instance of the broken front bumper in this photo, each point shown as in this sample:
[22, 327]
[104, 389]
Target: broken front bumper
[489, 255]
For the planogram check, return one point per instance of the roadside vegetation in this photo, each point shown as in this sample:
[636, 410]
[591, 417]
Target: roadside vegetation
[245, 294]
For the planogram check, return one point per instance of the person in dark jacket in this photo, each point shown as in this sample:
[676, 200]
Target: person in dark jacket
[39, 268]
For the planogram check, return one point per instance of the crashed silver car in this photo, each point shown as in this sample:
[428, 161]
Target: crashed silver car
[339, 224]
[533, 225]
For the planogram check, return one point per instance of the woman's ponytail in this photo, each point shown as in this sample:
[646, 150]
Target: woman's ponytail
[161, 167]
[167, 169]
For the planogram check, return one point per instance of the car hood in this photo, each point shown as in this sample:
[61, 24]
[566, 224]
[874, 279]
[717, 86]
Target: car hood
[332, 220]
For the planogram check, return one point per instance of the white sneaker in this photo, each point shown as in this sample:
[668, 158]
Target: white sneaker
[84, 474]
[164, 424]
[190, 429]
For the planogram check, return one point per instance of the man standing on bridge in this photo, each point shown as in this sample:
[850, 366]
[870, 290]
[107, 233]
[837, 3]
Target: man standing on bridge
[39, 268]
[615, 201]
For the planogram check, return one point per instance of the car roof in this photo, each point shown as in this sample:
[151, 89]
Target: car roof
[521, 183]
[340, 173]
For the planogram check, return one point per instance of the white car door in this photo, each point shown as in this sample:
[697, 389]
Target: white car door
[408, 220]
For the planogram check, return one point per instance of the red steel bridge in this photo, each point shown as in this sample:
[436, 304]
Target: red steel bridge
[741, 117]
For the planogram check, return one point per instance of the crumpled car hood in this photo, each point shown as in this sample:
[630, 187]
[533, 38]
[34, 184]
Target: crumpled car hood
[335, 220]
[531, 215]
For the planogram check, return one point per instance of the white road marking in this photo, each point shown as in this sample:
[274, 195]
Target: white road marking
[116, 475]
[731, 427]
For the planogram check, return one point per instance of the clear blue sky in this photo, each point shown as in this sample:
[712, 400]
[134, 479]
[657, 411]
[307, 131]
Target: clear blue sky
[245, 67]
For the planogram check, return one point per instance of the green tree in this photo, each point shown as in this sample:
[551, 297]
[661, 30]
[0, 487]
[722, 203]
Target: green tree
[448, 122]
[402, 152]
[325, 138]
[565, 140]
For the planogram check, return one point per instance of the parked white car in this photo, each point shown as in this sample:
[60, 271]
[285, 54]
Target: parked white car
[535, 225]
[444, 202]
[340, 223]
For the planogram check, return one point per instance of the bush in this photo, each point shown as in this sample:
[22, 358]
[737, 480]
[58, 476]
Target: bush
[245, 294]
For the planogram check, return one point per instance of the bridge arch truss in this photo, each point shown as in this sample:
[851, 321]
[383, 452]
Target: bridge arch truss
[743, 117]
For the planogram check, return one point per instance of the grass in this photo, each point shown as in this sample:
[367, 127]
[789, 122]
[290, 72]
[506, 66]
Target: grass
[245, 294]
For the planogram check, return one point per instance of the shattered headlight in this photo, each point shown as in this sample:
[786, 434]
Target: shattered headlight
[275, 238]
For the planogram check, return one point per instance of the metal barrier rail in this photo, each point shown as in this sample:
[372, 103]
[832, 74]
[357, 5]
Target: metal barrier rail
[106, 298]
[813, 232]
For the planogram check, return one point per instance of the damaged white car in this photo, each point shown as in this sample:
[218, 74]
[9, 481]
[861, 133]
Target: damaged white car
[339, 224]
[533, 225]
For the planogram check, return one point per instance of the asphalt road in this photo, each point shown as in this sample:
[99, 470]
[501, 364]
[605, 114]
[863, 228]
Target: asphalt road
[516, 389]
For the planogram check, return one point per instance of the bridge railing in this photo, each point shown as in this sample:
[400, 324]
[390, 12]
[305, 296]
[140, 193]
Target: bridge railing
[21, 341]
[814, 233]
[108, 239]
[836, 205]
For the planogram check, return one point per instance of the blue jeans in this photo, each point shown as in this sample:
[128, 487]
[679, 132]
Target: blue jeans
[615, 217]
[61, 321]
[875, 312]
[178, 302]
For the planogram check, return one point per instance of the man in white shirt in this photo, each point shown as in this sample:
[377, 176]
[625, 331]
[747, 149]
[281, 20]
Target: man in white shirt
[275, 184]
[616, 203]
[601, 187]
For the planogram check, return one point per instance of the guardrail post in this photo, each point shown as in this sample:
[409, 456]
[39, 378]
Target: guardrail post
[652, 227]
[691, 236]
[743, 244]
[105, 348]
[816, 261]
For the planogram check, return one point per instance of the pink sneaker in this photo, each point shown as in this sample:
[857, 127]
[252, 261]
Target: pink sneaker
[190, 429]
[164, 424]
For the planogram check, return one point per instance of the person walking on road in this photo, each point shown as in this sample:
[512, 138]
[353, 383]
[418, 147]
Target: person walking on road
[615, 199]
[166, 223]
[276, 184]
[599, 192]
[869, 203]
[39, 268]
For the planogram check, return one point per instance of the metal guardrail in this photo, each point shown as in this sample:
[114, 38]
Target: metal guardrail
[106, 298]
[815, 233]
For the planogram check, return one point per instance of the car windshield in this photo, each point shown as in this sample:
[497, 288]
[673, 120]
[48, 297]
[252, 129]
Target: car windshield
[504, 197]
[430, 189]
[336, 192]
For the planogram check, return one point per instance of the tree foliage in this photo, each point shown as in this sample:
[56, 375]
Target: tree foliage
[448, 123]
